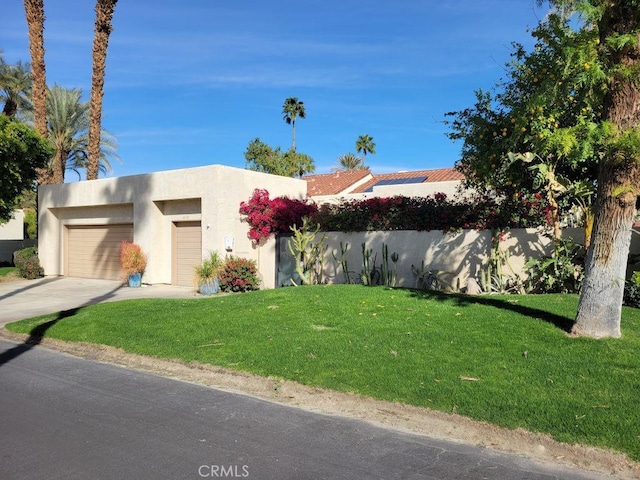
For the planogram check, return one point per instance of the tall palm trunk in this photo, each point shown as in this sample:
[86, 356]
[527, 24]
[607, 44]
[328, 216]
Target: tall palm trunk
[293, 135]
[104, 14]
[10, 108]
[600, 306]
[34, 11]
[59, 166]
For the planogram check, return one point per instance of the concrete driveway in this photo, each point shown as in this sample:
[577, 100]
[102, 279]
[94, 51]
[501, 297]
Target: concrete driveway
[29, 298]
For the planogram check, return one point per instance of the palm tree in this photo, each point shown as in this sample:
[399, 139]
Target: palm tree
[68, 121]
[103, 28]
[365, 145]
[291, 110]
[15, 88]
[34, 10]
[350, 161]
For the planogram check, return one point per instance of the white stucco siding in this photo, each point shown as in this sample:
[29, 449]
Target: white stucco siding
[14, 228]
[210, 194]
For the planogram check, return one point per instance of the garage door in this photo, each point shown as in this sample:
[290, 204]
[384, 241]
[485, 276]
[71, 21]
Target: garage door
[93, 251]
[187, 251]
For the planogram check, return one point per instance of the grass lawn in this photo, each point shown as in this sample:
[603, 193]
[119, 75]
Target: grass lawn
[4, 271]
[506, 360]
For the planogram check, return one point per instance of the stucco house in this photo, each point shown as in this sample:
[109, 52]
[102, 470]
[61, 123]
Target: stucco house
[177, 216]
[12, 237]
[14, 228]
[360, 184]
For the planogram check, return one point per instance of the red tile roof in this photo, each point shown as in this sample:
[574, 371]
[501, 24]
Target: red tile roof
[333, 183]
[435, 175]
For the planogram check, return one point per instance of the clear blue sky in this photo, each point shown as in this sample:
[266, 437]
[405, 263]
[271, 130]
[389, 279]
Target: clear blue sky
[191, 82]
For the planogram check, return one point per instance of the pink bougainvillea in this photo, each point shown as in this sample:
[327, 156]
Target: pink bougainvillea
[268, 217]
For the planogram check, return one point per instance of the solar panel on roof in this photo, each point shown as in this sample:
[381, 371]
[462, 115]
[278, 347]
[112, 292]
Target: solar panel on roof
[396, 181]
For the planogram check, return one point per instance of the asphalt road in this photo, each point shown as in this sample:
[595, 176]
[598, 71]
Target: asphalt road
[63, 417]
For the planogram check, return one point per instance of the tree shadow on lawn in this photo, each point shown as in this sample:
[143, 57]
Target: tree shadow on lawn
[563, 323]
[35, 337]
[38, 333]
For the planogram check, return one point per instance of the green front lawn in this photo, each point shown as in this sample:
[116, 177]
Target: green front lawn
[4, 271]
[506, 360]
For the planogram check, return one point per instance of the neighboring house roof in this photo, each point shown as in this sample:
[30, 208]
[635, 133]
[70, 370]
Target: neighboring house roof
[360, 181]
[416, 176]
[334, 183]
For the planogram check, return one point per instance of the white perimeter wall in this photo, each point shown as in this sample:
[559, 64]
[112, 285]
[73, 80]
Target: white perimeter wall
[462, 254]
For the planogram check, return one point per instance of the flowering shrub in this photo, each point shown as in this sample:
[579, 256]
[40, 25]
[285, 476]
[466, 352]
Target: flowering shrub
[27, 262]
[437, 212]
[239, 275]
[267, 217]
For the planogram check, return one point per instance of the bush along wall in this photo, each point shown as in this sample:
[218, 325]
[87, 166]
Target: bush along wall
[268, 217]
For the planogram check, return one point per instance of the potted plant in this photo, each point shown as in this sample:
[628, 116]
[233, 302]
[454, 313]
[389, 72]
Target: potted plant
[133, 261]
[207, 274]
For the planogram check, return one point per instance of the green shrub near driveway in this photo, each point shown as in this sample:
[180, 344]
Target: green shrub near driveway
[239, 275]
[27, 262]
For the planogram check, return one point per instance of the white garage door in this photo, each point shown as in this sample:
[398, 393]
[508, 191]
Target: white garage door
[93, 251]
[187, 252]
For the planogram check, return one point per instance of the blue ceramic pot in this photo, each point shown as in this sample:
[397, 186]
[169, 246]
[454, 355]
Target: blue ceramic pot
[210, 287]
[135, 280]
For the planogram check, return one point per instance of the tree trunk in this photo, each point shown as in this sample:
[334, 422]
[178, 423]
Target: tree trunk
[59, 166]
[10, 108]
[104, 14]
[587, 214]
[293, 136]
[34, 10]
[600, 306]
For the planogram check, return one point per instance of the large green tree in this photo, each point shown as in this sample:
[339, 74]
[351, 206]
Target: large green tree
[617, 25]
[292, 110]
[103, 28]
[22, 152]
[263, 158]
[572, 105]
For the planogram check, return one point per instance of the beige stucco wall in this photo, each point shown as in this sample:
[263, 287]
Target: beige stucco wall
[14, 228]
[462, 255]
[211, 194]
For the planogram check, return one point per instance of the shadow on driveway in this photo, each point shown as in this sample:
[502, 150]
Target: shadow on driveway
[30, 285]
[38, 333]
